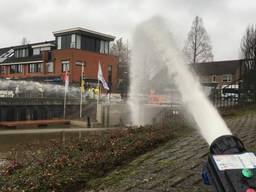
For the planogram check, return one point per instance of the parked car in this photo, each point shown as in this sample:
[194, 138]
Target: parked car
[230, 92]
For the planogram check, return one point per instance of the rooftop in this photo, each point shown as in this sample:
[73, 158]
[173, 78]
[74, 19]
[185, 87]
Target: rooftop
[88, 32]
[45, 43]
[7, 54]
[217, 67]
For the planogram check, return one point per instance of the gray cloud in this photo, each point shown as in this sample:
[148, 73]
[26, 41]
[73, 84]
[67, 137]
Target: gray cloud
[224, 20]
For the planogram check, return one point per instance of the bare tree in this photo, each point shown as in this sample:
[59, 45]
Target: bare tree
[248, 52]
[198, 46]
[121, 50]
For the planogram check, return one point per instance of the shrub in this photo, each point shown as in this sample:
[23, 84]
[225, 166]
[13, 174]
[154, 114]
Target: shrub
[58, 167]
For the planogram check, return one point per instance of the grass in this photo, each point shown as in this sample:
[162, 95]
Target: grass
[238, 111]
[121, 172]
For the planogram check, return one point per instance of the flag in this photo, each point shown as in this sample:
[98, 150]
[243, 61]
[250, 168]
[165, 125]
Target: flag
[66, 79]
[101, 78]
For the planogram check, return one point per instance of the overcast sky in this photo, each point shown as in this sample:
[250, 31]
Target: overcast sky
[224, 20]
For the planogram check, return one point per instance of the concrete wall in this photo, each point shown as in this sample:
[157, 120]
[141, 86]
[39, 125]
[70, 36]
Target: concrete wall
[40, 111]
[113, 114]
[117, 114]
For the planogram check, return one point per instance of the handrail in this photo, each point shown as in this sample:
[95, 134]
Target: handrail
[37, 101]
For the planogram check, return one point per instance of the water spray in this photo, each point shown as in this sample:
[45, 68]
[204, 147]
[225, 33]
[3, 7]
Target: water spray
[155, 50]
[22, 87]
[230, 167]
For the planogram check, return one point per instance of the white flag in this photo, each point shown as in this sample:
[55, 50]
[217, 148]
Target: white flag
[101, 78]
[66, 79]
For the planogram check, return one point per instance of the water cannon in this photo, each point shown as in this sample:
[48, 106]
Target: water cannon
[230, 167]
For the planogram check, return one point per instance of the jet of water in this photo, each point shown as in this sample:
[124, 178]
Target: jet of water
[154, 48]
[35, 88]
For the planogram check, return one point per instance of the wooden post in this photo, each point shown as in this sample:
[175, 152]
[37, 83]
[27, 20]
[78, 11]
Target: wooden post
[79, 135]
[62, 137]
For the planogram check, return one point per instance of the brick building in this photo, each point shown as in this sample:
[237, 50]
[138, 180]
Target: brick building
[47, 61]
[219, 73]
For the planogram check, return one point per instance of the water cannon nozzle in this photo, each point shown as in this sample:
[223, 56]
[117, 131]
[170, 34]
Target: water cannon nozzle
[230, 167]
[227, 144]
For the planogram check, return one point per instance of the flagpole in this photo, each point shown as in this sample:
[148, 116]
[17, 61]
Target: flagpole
[98, 98]
[81, 95]
[98, 84]
[65, 95]
[65, 100]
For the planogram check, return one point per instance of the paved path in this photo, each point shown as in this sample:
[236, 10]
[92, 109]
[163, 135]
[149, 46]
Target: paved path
[175, 166]
[56, 130]
[34, 123]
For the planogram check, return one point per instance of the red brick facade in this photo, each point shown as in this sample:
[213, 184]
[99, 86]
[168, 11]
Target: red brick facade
[47, 61]
[91, 60]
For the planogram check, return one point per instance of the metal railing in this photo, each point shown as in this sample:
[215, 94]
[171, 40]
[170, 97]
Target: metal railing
[38, 101]
[232, 96]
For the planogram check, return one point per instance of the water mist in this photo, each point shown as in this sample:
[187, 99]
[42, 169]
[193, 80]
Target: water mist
[34, 88]
[154, 50]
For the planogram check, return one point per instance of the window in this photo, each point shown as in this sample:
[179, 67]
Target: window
[227, 78]
[3, 70]
[36, 51]
[214, 78]
[16, 54]
[97, 46]
[65, 41]
[65, 66]
[35, 68]
[21, 53]
[58, 42]
[24, 52]
[78, 41]
[50, 56]
[106, 47]
[90, 44]
[73, 41]
[50, 67]
[83, 42]
[16, 69]
[102, 44]
[20, 68]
